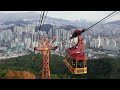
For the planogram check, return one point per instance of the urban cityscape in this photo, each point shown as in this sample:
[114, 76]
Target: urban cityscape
[48, 45]
[21, 40]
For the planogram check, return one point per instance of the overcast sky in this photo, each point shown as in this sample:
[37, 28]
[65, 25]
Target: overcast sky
[76, 15]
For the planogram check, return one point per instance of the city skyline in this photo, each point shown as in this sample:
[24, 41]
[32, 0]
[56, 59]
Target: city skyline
[76, 15]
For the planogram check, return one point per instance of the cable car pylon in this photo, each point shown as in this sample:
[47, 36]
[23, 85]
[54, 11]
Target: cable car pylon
[44, 45]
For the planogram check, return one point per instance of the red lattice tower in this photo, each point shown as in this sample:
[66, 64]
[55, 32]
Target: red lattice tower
[45, 46]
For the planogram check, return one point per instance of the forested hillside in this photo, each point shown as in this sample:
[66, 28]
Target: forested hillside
[104, 68]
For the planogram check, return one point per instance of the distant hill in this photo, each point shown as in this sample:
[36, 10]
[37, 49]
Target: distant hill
[45, 27]
[34, 18]
[17, 16]
[19, 22]
[30, 17]
[114, 22]
[68, 27]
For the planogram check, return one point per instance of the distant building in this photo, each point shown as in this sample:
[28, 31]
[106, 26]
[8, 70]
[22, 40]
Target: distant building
[105, 43]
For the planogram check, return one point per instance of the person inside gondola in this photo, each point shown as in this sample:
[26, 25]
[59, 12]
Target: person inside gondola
[74, 64]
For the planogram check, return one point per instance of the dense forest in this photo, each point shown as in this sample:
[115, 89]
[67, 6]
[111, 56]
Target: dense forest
[103, 68]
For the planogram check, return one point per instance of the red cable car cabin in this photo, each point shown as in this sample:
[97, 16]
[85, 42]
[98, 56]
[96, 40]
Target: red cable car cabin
[75, 58]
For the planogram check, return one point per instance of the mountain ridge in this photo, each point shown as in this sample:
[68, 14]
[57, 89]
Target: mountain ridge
[34, 18]
[27, 15]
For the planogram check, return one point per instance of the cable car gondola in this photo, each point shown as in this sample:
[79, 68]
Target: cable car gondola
[75, 58]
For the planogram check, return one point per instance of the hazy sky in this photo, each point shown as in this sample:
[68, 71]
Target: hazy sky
[76, 15]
